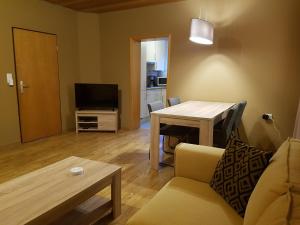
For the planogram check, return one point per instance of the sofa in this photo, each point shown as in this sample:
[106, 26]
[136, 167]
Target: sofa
[187, 199]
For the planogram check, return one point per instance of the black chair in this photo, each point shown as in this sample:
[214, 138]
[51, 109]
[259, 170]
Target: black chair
[180, 132]
[222, 135]
[155, 106]
[189, 138]
[222, 131]
[174, 101]
[240, 111]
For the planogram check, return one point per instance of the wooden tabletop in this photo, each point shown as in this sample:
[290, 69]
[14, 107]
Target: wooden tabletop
[195, 110]
[43, 191]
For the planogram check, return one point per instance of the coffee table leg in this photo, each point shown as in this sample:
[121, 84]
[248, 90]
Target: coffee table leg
[116, 194]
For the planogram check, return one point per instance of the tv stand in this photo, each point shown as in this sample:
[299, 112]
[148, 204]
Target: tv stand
[96, 120]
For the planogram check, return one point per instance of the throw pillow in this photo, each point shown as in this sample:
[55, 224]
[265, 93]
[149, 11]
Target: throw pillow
[237, 173]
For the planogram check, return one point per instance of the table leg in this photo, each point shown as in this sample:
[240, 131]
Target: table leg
[154, 142]
[116, 194]
[206, 132]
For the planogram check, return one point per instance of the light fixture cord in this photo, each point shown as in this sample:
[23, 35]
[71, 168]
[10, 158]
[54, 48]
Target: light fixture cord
[276, 129]
[202, 14]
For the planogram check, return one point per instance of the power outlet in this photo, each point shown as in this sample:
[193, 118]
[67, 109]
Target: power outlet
[267, 116]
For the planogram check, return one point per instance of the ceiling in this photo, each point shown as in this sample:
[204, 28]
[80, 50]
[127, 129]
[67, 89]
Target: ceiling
[100, 6]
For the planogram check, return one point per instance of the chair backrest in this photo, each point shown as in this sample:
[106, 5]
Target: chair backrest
[154, 106]
[228, 124]
[240, 111]
[174, 101]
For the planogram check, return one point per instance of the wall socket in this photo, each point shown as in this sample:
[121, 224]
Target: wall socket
[267, 116]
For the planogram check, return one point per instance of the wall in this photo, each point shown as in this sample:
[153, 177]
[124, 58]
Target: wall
[41, 16]
[254, 57]
[89, 47]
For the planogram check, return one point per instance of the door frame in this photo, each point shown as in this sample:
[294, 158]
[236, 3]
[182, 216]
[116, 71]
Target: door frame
[135, 74]
[16, 75]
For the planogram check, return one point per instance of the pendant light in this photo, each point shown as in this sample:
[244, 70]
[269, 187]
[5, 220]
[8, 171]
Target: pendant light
[202, 31]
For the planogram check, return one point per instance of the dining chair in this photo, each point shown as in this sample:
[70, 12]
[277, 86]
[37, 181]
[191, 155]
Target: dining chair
[222, 131]
[179, 132]
[221, 136]
[174, 101]
[238, 120]
[154, 106]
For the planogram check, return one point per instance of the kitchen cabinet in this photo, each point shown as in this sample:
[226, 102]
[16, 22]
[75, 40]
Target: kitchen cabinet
[156, 94]
[144, 108]
[152, 95]
[164, 96]
[157, 51]
[151, 51]
[161, 55]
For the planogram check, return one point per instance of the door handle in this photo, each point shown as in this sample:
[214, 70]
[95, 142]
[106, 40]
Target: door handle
[22, 86]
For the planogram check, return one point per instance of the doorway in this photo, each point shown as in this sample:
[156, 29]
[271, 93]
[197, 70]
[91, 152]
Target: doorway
[36, 63]
[154, 73]
[149, 73]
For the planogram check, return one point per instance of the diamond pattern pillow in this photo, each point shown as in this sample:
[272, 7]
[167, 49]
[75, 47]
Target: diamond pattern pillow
[237, 173]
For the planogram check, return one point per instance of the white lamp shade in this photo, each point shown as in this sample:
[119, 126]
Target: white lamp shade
[202, 32]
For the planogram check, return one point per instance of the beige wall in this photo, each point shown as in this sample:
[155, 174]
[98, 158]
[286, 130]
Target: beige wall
[254, 57]
[41, 16]
[89, 47]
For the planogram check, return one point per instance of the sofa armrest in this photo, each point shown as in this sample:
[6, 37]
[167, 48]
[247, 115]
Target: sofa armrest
[196, 162]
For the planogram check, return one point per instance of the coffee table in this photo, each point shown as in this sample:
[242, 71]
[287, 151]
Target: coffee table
[52, 195]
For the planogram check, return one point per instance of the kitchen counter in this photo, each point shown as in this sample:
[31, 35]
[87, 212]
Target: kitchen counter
[158, 87]
[150, 95]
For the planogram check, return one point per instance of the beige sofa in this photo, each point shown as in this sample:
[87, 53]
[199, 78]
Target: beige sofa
[188, 199]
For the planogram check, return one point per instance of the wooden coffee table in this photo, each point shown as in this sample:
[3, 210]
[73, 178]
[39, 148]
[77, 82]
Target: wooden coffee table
[52, 195]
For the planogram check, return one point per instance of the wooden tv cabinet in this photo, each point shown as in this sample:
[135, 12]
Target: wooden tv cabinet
[96, 120]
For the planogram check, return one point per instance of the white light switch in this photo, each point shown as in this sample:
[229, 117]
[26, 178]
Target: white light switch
[10, 80]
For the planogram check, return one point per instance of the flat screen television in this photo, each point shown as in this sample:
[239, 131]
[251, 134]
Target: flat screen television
[96, 96]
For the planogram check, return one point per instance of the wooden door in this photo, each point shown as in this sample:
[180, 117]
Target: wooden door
[38, 84]
[135, 81]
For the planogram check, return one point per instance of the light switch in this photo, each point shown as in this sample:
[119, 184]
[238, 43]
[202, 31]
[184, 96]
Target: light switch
[10, 79]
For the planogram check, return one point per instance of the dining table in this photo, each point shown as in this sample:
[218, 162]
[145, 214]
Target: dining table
[200, 114]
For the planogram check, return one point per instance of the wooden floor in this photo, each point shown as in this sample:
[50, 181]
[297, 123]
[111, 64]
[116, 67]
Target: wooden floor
[129, 149]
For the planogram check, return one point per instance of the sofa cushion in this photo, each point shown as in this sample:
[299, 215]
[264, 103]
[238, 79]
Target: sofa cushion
[277, 212]
[277, 190]
[294, 215]
[285, 210]
[238, 172]
[185, 201]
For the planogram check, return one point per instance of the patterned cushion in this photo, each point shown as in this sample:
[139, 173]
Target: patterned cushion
[237, 173]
